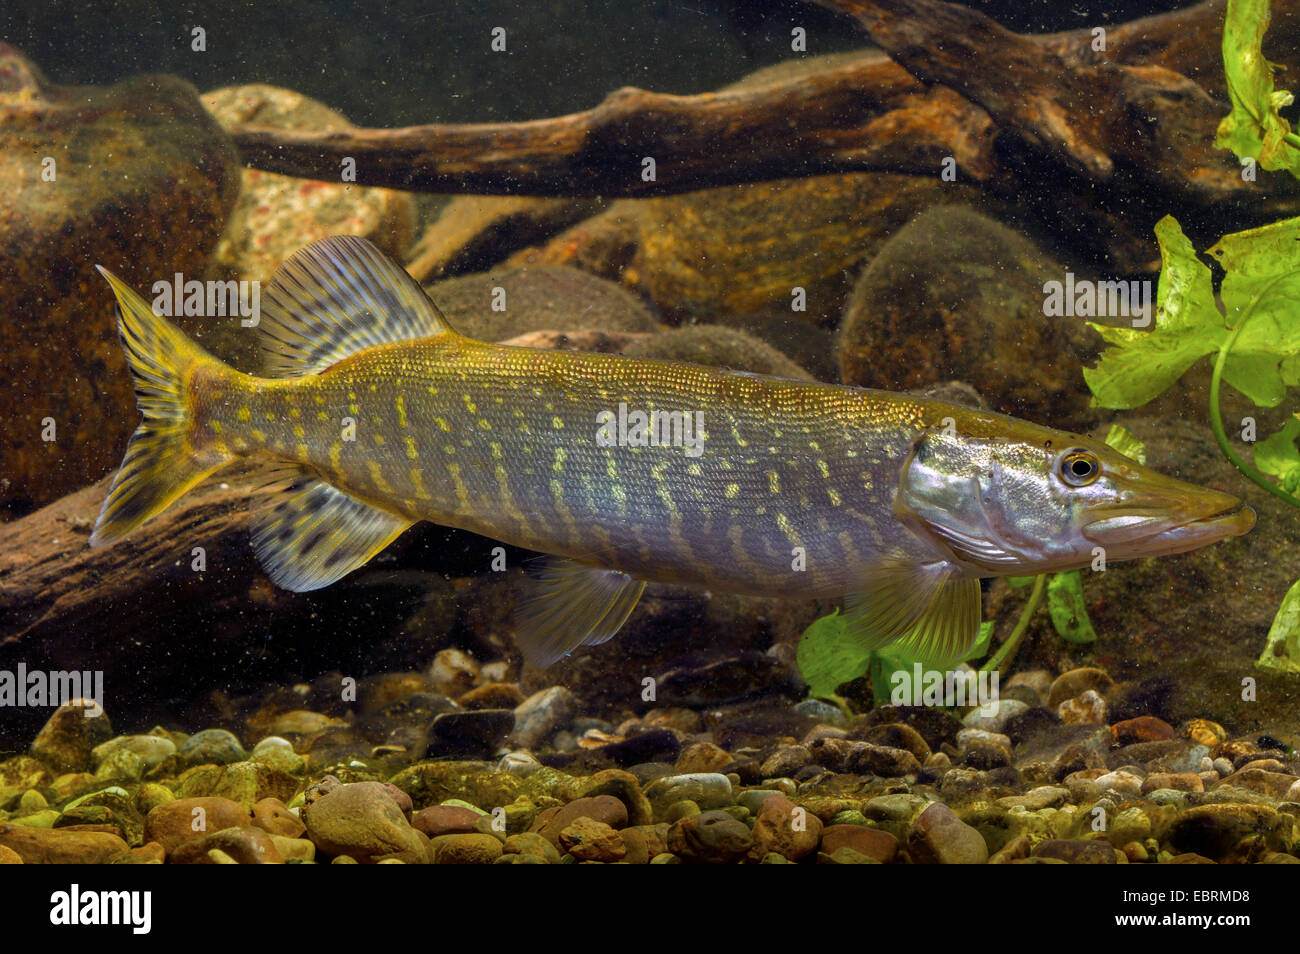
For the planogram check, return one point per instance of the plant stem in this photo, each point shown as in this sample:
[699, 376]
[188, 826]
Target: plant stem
[1007, 651]
[1216, 419]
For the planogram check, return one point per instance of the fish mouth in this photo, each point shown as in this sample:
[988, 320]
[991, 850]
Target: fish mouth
[1140, 531]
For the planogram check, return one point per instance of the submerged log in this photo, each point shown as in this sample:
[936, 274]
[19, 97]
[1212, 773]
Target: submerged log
[1099, 139]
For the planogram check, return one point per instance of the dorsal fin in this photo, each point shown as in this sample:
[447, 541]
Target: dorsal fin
[336, 297]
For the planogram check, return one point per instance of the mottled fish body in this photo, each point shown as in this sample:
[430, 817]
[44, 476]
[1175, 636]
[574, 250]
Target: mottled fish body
[624, 470]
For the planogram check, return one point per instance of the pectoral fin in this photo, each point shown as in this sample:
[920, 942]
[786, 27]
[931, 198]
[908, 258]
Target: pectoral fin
[311, 534]
[569, 605]
[930, 611]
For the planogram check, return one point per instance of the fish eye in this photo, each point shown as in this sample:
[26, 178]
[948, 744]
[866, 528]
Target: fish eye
[1078, 468]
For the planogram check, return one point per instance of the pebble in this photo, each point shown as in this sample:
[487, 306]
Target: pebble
[173, 823]
[995, 716]
[1076, 852]
[472, 734]
[278, 753]
[445, 820]
[785, 761]
[703, 757]
[475, 849]
[602, 808]
[712, 837]
[896, 735]
[70, 734]
[1207, 733]
[938, 836]
[492, 695]
[57, 846]
[1219, 831]
[542, 714]
[1141, 729]
[244, 845]
[786, 829]
[709, 790]
[151, 750]
[520, 764]
[212, 746]
[590, 840]
[531, 843]
[1075, 682]
[273, 817]
[452, 673]
[871, 842]
[364, 820]
[1087, 708]
[823, 712]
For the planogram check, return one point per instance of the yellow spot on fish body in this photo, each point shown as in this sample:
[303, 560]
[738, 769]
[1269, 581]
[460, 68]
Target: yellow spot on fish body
[469, 404]
[485, 424]
[417, 481]
[411, 451]
[731, 491]
[773, 482]
[295, 413]
[561, 455]
[336, 455]
[401, 411]
[298, 431]
[259, 436]
[379, 440]
[834, 496]
[243, 414]
[442, 424]
[694, 470]
[302, 451]
[377, 477]
[823, 469]
[322, 415]
[557, 423]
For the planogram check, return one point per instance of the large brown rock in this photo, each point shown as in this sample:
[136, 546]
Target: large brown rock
[957, 296]
[141, 181]
[175, 823]
[61, 846]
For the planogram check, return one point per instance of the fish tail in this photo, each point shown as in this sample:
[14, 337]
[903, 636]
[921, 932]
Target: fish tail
[162, 460]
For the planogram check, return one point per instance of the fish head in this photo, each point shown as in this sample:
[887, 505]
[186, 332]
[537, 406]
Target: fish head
[1018, 499]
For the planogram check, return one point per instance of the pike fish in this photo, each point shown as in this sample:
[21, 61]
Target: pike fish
[382, 415]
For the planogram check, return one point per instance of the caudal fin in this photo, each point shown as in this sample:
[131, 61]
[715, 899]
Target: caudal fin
[161, 462]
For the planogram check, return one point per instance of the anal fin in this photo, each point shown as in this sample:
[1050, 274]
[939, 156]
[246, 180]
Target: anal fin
[312, 534]
[932, 611]
[569, 605]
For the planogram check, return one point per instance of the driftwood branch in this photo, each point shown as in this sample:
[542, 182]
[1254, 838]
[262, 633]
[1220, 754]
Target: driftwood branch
[957, 81]
[865, 116]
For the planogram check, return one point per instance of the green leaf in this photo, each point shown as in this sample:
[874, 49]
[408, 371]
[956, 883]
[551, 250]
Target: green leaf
[1019, 582]
[1255, 127]
[1187, 326]
[1261, 277]
[1126, 442]
[1066, 606]
[1282, 648]
[1278, 455]
[828, 656]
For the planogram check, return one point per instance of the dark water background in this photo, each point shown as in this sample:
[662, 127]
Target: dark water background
[410, 62]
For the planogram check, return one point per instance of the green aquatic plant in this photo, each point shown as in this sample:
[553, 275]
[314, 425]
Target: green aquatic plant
[1255, 129]
[1254, 337]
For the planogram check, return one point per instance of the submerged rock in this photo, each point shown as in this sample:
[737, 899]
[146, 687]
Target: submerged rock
[957, 296]
[136, 177]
